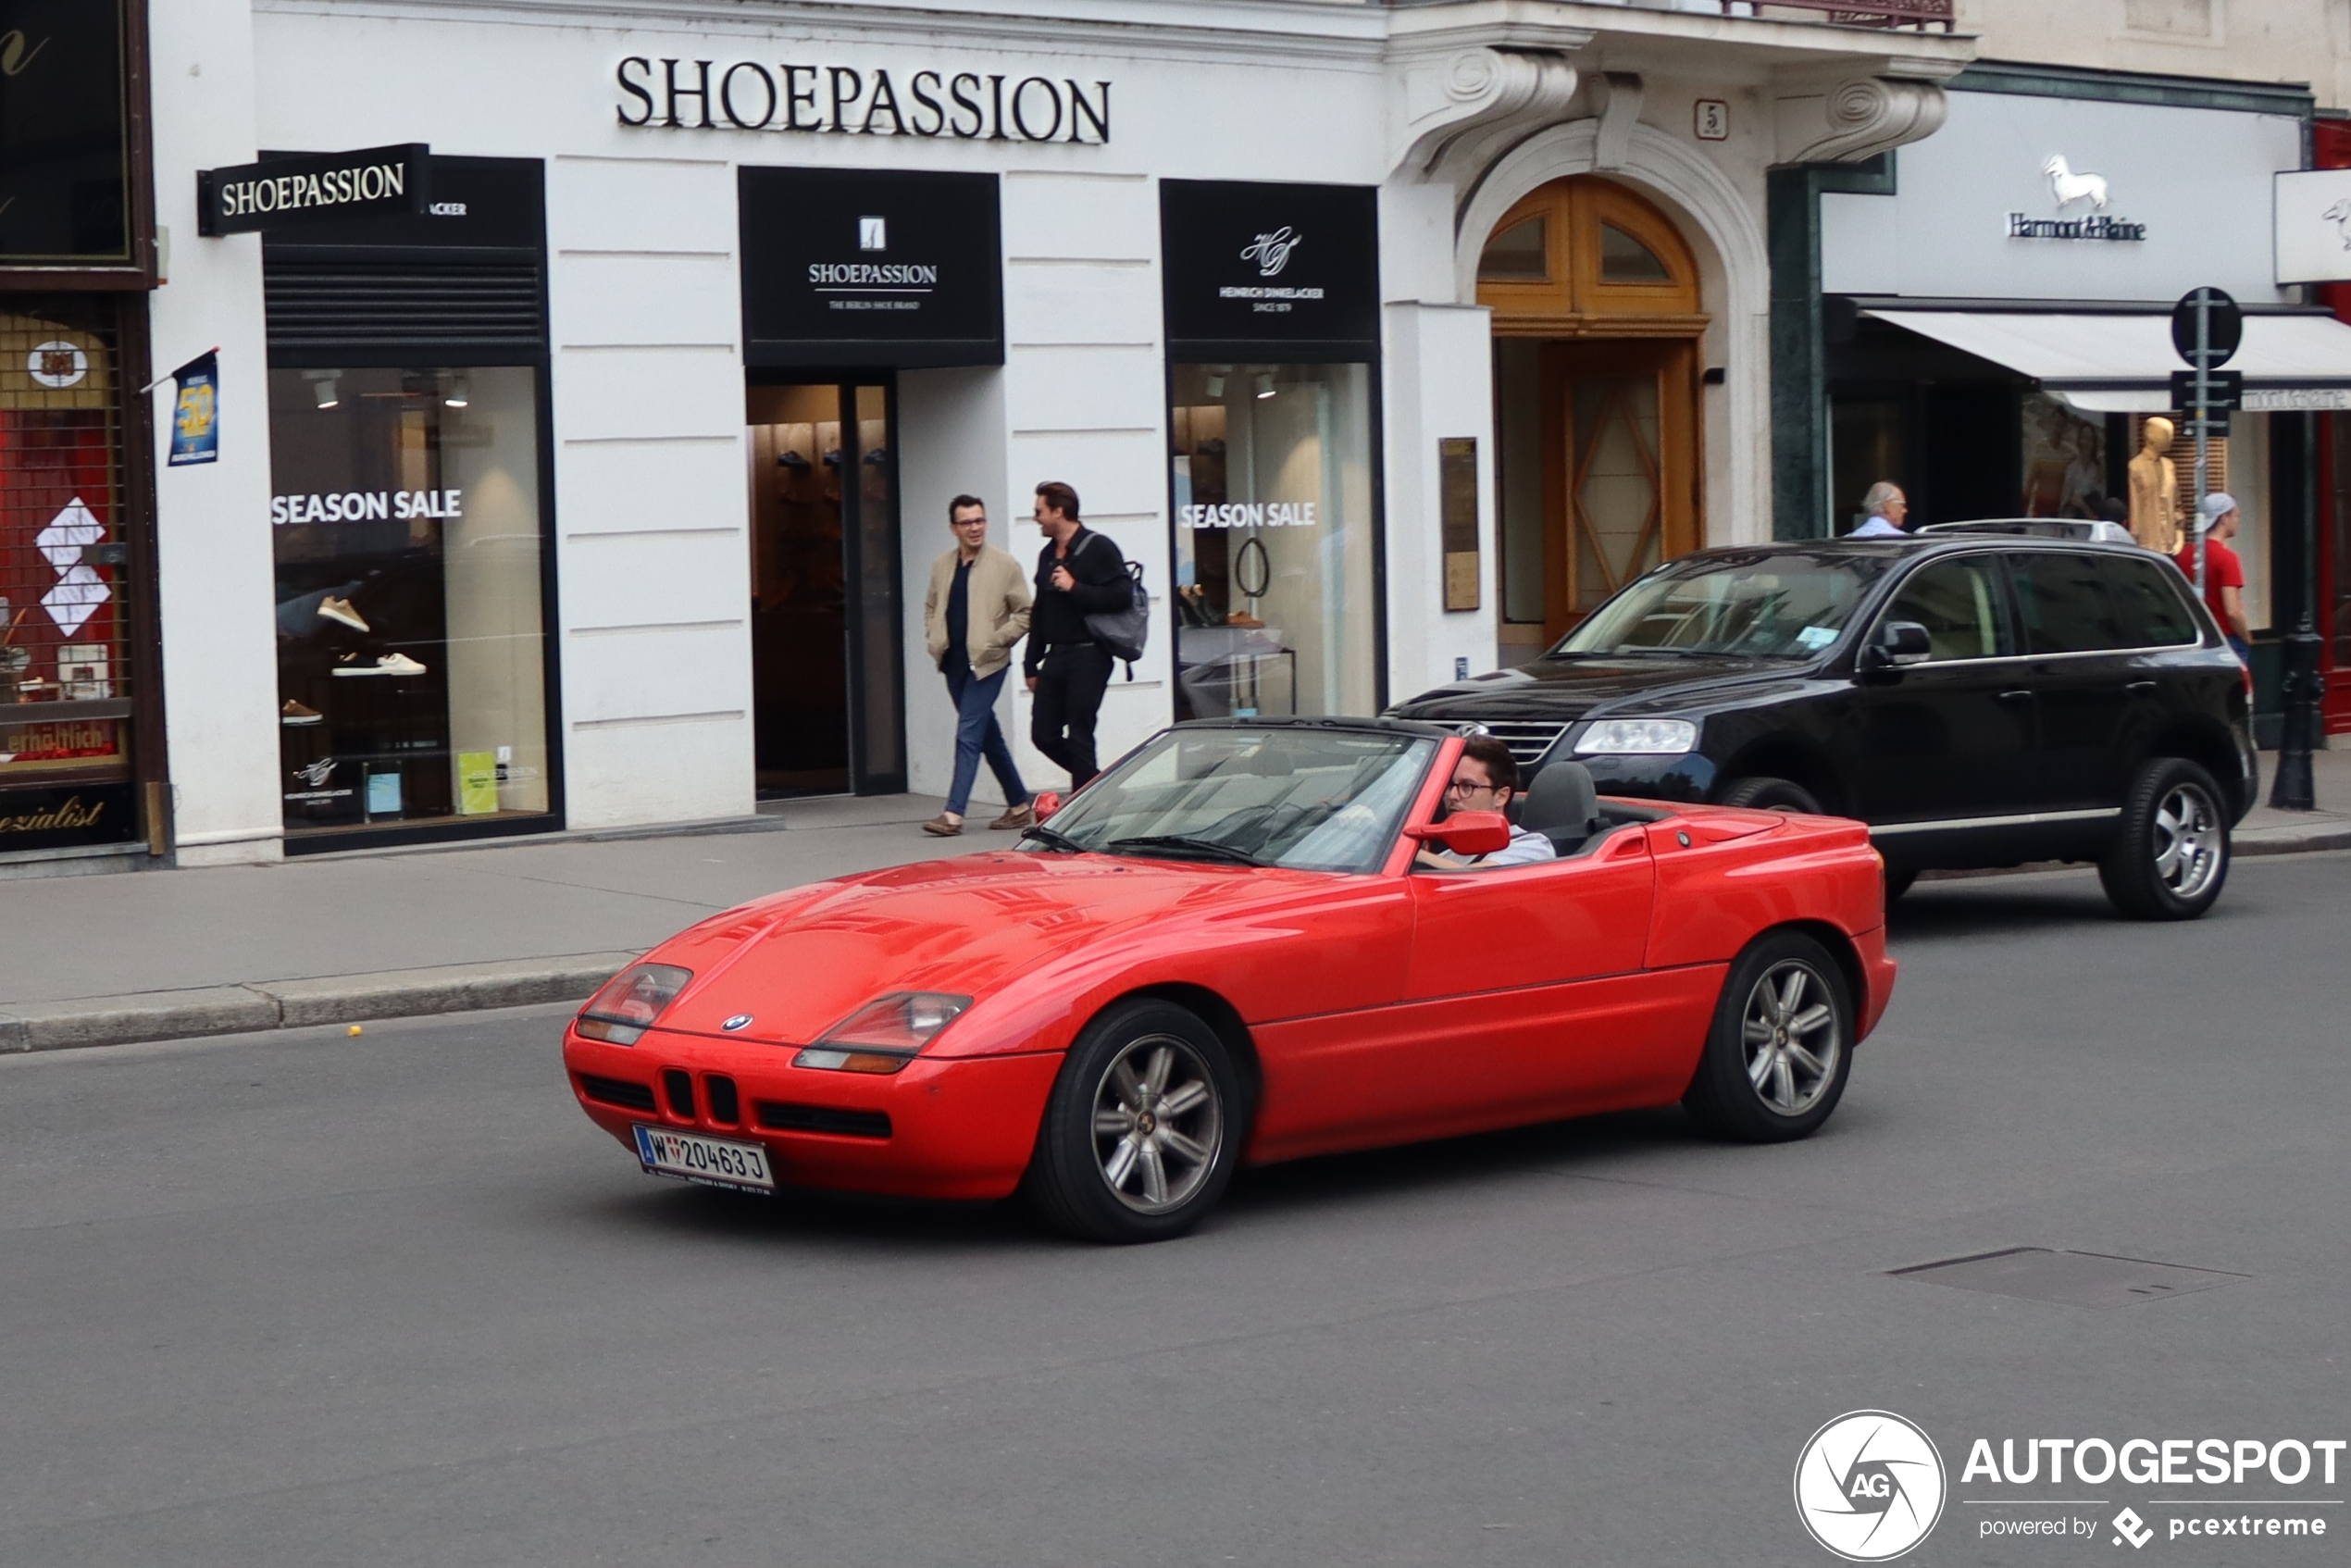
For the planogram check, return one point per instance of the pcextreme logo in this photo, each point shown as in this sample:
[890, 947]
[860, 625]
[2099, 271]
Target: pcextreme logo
[1869, 1486]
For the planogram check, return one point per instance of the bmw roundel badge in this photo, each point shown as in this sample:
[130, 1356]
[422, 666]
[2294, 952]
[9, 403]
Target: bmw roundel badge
[740, 1021]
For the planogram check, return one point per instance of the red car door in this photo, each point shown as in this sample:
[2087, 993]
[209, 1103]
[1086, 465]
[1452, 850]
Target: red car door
[1523, 999]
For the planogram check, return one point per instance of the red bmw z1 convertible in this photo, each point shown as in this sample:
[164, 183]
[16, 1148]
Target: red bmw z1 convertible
[1227, 949]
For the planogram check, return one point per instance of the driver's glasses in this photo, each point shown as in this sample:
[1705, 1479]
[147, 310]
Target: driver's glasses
[1466, 786]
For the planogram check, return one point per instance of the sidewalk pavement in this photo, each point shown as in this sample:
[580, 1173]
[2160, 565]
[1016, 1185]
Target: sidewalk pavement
[382, 934]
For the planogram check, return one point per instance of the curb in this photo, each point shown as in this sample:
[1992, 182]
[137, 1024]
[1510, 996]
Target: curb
[293, 1004]
[2292, 841]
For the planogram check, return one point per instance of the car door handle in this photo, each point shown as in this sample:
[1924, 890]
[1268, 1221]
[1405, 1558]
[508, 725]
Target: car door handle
[2019, 696]
[2139, 689]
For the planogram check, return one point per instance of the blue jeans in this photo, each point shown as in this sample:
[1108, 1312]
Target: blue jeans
[976, 732]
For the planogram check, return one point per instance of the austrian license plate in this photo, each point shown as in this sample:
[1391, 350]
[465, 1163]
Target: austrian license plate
[714, 1162]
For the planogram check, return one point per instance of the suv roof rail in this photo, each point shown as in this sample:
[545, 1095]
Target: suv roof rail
[2087, 529]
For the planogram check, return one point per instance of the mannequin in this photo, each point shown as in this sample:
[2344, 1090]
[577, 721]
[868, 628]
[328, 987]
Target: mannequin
[2155, 490]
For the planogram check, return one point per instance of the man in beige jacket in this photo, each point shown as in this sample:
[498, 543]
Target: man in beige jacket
[977, 609]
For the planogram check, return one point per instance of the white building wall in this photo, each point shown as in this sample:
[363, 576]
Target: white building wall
[213, 549]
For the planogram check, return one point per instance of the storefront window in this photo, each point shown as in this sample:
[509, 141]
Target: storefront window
[411, 639]
[65, 666]
[1274, 541]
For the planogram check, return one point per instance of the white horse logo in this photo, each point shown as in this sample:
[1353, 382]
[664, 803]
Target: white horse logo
[2067, 187]
[2339, 216]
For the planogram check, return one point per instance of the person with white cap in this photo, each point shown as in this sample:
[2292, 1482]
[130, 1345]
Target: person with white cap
[2223, 573]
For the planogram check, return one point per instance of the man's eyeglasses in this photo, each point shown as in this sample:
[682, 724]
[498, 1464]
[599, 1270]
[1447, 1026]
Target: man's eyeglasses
[1467, 787]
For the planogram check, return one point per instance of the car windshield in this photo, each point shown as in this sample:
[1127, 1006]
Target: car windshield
[1309, 800]
[1769, 604]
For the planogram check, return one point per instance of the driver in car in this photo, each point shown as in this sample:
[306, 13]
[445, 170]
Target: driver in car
[1485, 778]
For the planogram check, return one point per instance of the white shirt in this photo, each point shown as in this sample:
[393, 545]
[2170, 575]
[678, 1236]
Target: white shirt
[1525, 848]
[1875, 526]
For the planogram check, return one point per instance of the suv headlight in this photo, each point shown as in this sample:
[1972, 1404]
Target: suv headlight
[1637, 737]
[626, 1008]
[883, 1035]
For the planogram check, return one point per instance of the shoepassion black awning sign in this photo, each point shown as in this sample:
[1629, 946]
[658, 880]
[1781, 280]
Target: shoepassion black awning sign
[313, 188]
[680, 95]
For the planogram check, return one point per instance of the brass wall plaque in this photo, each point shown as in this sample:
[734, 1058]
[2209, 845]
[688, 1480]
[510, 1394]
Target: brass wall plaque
[1457, 515]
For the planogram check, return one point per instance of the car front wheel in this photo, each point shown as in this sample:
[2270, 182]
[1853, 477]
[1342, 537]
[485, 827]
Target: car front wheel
[1762, 792]
[1781, 1044]
[2170, 853]
[1143, 1129]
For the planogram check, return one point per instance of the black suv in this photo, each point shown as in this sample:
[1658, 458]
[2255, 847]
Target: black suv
[1978, 699]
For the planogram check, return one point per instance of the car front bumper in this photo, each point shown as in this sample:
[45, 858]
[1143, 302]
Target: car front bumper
[957, 1127]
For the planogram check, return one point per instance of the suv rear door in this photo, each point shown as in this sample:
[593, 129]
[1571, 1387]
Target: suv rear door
[1953, 735]
[2083, 663]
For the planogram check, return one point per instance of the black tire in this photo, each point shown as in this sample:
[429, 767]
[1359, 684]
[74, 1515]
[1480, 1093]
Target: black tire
[1762, 792]
[1090, 1180]
[2170, 852]
[1800, 1087]
[1897, 883]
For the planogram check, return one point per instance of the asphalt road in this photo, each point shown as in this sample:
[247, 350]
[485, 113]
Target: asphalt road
[307, 1300]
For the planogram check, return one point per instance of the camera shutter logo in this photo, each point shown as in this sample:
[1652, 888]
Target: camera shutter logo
[1869, 1486]
[1272, 251]
[873, 233]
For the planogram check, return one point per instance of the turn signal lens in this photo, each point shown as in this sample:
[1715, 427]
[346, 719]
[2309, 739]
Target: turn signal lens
[826, 1057]
[626, 1008]
[1637, 737]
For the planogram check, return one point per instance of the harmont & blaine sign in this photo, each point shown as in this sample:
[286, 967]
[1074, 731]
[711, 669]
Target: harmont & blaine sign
[312, 188]
[2080, 207]
[680, 95]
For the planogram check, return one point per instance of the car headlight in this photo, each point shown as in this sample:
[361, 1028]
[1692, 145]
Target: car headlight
[626, 1008]
[1637, 737]
[883, 1035]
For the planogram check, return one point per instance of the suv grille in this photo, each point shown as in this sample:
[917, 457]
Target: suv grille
[785, 1116]
[1527, 739]
[616, 1091]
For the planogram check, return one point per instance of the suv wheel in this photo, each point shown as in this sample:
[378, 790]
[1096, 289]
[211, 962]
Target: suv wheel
[2171, 853]
[1762, 792]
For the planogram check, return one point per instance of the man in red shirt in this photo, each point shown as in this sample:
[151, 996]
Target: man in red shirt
[2223, 573]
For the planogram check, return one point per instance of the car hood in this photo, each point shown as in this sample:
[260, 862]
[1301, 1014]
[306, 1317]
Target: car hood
[1567, 689]
[802, 961]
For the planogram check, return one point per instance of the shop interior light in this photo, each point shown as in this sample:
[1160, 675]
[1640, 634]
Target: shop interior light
[455, 396]
[1215, 387]
[1264, 384]
[323, 388]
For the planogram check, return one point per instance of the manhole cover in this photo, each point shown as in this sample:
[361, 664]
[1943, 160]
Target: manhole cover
[2073, 1279]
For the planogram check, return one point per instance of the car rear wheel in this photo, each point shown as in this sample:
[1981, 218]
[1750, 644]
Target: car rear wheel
[1781, 1047]
[1762, 792]
[1897, 883]
[2170, 854]
[1143, 1128]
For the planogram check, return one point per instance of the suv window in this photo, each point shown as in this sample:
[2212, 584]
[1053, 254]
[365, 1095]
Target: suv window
[2064, 603]
[2151, 595]
[1959, 603]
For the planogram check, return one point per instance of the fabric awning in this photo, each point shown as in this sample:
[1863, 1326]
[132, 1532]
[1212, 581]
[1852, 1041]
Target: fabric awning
[2114, 363]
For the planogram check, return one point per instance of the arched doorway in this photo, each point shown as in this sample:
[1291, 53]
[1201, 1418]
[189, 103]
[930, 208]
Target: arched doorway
[1595, 324]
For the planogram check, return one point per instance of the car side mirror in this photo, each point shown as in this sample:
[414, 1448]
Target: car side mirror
[1466, 833]
[1045, 803]
[1897, 642]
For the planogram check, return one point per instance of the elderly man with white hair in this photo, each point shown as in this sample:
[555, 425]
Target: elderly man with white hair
[1886, 507]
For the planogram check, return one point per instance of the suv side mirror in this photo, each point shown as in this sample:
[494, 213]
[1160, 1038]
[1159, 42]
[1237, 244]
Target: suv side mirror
[1896, 643]
[1045, 803]
[1466, 832]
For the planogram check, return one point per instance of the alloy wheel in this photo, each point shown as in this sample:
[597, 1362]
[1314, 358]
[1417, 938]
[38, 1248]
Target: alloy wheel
[1790, 1032]
[2186, 840]
[1158, 1123]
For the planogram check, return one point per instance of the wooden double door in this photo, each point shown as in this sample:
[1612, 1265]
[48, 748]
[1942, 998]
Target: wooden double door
[1619, 451]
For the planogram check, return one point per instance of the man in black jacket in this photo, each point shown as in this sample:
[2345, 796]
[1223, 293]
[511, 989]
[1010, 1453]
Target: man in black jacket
[1079, 573]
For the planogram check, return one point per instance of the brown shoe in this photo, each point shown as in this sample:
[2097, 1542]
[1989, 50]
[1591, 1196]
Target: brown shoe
[943, 826]
[1021, 816]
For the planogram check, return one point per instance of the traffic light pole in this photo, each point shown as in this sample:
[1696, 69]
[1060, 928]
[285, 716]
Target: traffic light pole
[2203, 417]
